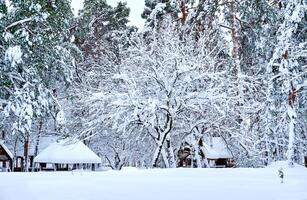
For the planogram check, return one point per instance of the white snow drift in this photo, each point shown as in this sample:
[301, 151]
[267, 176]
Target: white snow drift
[157, 184]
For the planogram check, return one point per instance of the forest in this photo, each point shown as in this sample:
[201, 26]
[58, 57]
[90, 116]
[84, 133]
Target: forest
[198, 69]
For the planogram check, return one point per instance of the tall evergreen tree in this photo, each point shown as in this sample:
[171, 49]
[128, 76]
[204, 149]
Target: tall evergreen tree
[289, 59]
[100, 32]
[37, 58]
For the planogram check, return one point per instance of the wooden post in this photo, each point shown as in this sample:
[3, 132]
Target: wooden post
[21, 162]
[11, 165]
[33, 166]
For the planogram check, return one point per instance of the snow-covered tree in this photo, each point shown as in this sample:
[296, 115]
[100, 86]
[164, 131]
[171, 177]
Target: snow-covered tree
[158, 87]
[289, 59]
[37, 59]
[98, 32]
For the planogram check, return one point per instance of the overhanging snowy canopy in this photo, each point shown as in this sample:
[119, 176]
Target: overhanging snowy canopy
[67, 153]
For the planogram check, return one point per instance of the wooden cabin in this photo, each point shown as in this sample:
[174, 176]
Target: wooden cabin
[184, 157]
[77, 156]
[6, 158]
[66, 155]
[213, 153]
[217, 153]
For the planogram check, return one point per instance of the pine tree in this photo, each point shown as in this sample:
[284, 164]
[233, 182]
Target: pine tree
[100, 32]
[150, 5]
[37, 58]
[5, 83]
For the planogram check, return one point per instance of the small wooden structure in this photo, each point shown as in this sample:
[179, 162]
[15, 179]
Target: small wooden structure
[305, 161]
[66, 155]
[213, 152]
[6, 157]
[184, 157]
[217, 153]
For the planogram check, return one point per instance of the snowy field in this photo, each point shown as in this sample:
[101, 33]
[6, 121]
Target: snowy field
[156, 184]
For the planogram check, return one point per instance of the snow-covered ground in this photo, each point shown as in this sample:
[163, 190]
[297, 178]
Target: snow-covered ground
[157, 184]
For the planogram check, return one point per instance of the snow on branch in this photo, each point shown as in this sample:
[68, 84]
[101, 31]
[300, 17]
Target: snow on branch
[17, 23]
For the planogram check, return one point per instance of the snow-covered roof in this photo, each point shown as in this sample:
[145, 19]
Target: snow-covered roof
[216, 148]
[6, 149]
[68, 153]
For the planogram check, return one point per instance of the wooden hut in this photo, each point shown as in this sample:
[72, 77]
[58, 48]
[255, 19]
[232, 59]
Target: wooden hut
[6, 158]
[66, 155]
[213, 152]
[217, 154]
[184, 156]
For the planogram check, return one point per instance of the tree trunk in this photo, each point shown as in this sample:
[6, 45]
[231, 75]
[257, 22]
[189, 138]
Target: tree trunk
[201, 149]
[160, 151]
[290, 153]
[236, 70]
[170, 152]
[37, 141]
[234, 38]
[292, 115]
[164, 157]
[183, 11]
[161, 140]
[38, 137]
[206, 163]
[156, 156]
[26, 153]
[15, 153]
[197, 156]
